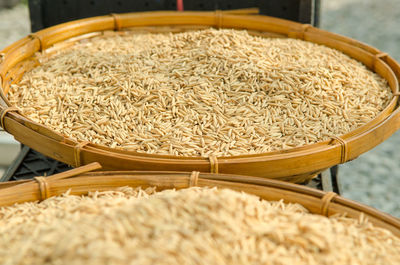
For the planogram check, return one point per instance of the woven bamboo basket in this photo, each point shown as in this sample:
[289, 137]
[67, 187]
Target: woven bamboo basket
[80, 181]
[294, 165]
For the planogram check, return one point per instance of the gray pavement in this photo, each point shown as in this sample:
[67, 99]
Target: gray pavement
[14, 24]
[373, 178]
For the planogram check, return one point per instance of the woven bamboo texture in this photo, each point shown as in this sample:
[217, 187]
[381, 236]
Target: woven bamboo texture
[80, 181]
[294, 165]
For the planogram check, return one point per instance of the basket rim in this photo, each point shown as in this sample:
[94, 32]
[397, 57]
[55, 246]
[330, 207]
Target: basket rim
[82, 180]
[43, 40]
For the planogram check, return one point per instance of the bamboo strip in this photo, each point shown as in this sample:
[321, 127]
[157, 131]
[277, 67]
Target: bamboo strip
[296, 165]
[81, 184]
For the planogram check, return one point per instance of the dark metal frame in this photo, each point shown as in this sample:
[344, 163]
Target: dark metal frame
[46, 13]
[30, 163]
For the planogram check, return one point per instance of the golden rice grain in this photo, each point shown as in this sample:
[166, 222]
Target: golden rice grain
[201, 93]
[191, 226]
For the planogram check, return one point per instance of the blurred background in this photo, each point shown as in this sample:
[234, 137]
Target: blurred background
[373, 178]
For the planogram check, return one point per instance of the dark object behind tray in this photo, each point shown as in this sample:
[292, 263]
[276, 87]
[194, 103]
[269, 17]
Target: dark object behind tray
[46, 13]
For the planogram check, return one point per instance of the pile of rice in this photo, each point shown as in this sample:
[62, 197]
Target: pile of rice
[190, 226]
[200, 93]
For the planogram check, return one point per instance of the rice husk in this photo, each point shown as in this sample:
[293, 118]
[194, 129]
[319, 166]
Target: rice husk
[190, 226]
[200, 93]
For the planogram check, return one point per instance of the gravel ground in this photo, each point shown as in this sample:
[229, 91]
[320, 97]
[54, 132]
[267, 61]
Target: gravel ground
[373, 178]
[14, 24]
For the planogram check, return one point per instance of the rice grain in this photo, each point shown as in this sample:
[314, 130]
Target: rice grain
[200, 93]
[191, 226]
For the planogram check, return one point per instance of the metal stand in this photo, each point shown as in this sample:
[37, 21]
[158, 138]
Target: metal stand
[30, 163]
[327, 180]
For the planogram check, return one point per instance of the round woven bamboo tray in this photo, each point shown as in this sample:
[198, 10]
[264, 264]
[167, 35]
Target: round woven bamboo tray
[294, 165]
[80, 181]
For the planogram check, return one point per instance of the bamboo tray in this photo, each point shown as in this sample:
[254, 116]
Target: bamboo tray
[294, 165]
[80, 181]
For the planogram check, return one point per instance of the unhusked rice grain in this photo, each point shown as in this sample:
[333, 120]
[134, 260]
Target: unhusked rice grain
[200, 93]
[191, 226]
